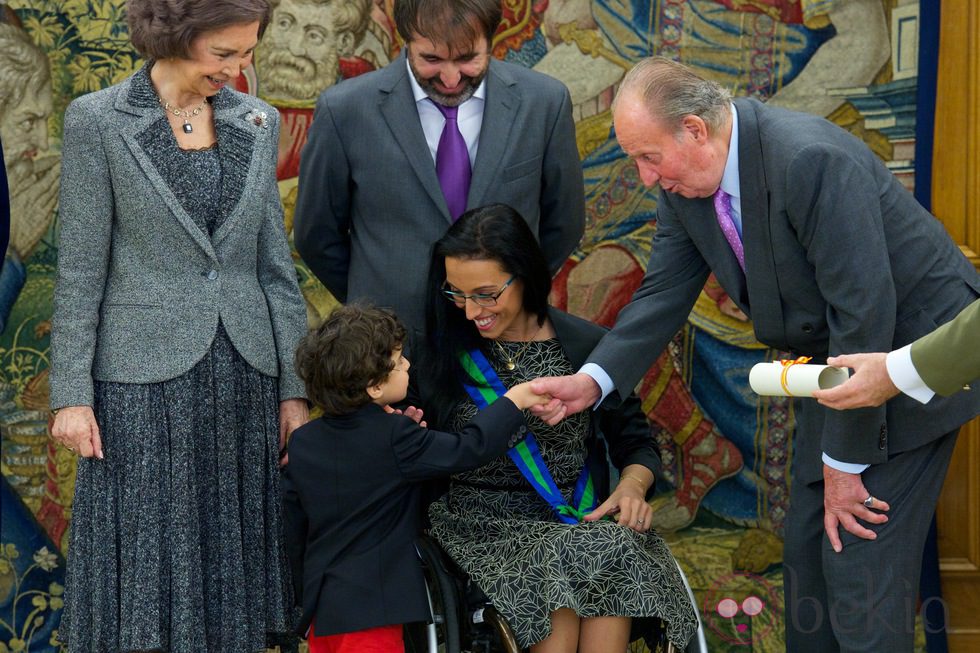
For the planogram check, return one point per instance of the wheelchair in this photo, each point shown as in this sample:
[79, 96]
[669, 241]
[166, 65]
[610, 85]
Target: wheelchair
[463, 620]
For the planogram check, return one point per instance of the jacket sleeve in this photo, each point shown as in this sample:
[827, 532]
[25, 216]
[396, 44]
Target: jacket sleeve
[423, 453]
[86, 214]
[294, 526]
[562, 190]
[674, 278]
[949, 357]
[277, 276]
[322, 220]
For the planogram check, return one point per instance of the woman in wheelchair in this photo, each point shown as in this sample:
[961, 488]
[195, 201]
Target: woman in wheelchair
[566, 573]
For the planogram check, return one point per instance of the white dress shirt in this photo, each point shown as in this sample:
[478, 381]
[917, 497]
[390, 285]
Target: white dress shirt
[905, 377]
[469, 117]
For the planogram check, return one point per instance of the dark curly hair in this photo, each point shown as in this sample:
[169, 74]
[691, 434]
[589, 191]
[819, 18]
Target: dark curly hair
[165, 29]
[350, 351]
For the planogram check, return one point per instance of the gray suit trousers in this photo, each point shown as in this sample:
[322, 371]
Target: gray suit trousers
[838, 601]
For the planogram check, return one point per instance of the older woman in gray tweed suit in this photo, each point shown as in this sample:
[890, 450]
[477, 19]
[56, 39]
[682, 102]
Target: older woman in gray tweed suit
[176, 317]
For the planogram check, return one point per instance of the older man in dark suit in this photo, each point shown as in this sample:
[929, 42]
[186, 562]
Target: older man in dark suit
[815, 240]
[394, 156]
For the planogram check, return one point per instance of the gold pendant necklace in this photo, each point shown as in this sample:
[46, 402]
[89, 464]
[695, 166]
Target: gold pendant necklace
[510, 362]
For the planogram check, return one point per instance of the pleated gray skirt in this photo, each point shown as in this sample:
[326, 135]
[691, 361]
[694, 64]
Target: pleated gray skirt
[176, 535]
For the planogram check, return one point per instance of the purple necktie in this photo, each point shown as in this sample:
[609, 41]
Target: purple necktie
[723, 207]
[453, 163]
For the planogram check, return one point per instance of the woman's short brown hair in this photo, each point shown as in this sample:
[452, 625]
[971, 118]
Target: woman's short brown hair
[349, 352]
[165, 29]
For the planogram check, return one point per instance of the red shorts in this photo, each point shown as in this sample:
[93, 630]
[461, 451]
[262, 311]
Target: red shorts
[384, 639]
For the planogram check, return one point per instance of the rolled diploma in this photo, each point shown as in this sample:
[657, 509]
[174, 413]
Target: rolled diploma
[801, 379]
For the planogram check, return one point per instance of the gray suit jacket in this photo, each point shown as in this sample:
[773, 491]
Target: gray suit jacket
[141, 287]
[839, 259]
[370, 206]
[949, 357]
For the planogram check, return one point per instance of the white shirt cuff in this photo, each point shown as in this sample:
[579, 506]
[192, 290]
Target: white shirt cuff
[847, 468]
[904, 375]
[599, 375]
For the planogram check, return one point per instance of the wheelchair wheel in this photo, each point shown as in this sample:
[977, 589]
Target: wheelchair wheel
[504, 635]
[443, 634]
[698, 643]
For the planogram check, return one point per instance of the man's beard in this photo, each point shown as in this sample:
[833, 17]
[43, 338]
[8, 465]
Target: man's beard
[428, 85]
[284, 76]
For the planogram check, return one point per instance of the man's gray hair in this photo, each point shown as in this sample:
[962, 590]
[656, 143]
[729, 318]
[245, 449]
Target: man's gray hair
[671, 91]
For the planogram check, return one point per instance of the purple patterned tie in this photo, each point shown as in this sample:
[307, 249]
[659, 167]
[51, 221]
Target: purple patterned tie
[453, 163]
[723, 207]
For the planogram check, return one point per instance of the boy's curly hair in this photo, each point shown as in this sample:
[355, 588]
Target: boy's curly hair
[350, 351]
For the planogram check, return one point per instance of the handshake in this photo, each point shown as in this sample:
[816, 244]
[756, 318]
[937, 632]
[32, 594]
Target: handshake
[524, 396]
[551, 398]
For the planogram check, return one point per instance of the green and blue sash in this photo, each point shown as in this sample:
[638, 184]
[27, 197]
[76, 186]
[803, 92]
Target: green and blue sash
[526, 455]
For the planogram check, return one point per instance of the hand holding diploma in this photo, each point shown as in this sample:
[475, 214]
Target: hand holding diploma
[870, 385]
[794, 378]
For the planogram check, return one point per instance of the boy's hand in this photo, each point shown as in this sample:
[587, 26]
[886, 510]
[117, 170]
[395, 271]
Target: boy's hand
[413, 413]
[524, 397]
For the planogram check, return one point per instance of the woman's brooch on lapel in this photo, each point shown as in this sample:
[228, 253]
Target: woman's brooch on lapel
[258, 118]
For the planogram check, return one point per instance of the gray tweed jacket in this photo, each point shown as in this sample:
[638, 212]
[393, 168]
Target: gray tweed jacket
[140, 286]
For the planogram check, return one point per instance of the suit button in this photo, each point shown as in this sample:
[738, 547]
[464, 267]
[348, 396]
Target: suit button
[212, 275]
[807, 327]
[882, 437]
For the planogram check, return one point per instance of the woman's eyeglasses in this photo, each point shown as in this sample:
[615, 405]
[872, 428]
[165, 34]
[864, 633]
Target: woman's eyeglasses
[480, 299]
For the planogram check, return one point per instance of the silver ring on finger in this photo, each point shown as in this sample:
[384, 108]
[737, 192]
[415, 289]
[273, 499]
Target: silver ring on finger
[870, 501]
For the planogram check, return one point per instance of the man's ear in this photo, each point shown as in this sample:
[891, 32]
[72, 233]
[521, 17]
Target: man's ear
[695, 127]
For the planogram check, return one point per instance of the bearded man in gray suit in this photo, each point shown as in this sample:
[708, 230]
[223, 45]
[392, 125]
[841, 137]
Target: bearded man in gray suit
[394, 156]
[815, 240]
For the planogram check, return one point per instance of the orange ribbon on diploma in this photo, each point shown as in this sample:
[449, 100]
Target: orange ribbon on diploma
[802, 360]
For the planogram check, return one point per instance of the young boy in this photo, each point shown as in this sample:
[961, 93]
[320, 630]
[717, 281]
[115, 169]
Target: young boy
[351, 488]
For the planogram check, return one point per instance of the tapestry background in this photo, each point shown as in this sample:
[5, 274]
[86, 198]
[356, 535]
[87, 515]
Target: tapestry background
[725, 450]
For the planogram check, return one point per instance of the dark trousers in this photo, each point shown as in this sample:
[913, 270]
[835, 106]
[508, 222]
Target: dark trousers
[864, 598]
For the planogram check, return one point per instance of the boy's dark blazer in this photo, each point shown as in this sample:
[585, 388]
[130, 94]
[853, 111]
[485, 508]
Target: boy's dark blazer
[351, 509]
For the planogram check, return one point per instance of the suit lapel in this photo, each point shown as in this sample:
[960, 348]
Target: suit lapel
[240, 161]
[499, 112]
[397, 106]
[760, 266]
[145, 134]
